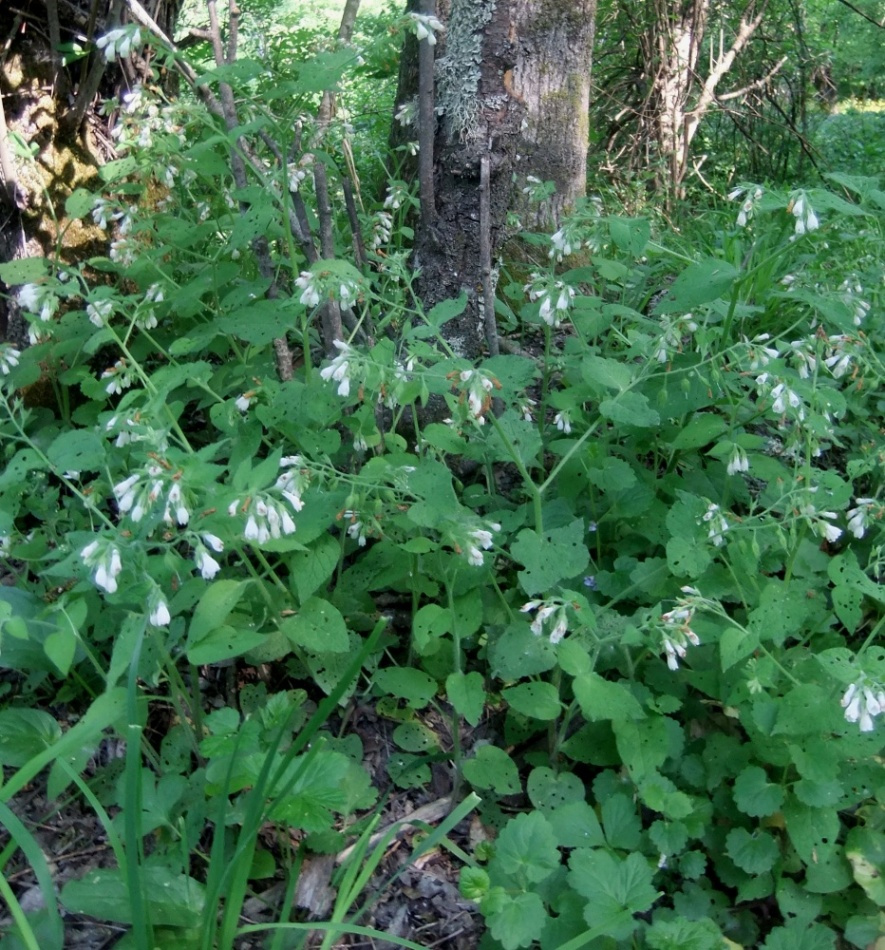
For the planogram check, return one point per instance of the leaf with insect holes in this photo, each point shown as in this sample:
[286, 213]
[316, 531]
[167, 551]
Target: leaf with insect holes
[534, 700]
[318, 626]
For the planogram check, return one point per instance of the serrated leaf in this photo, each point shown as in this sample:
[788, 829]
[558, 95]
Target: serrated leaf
[615, 889]
[473, 883]
[754, 795]
[681, 934]
[643, 745]
[526, 849]
[518, 921]
[797, 936]
[754, 852]
[621, 823]
[534, 700]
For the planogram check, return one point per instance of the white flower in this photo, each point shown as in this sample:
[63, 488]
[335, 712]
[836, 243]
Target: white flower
[243, 402]
[160, 616]
[545, 610]
[806, 219]
[99, 311]
[563, 422]
[310, 296]
[339, 369]
[426, 27]
[859, 517]
[125, 492]
[213, 541]
[119, 42]
[206, 564]
[9, 357]
[783, 396]
[105, 558]
[862, 703]
[717, 524]
[118, 376]
[738, 461]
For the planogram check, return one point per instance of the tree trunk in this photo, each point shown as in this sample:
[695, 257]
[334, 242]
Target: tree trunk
[511, 92]
[551, 78]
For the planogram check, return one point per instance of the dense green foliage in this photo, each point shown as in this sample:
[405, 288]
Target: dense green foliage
[643, 552]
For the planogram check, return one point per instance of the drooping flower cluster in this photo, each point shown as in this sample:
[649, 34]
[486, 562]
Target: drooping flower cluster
[382, 228]
[851, 290]
[341, 368]
[296, 172]
[753, 195]
[205, 563]
[119, 377]
[9, 357]
[716, 523]
[862, 702]
[676, 632]
[102, 557]
[138, 494]
[556, 298]
[426, 27]
[675, 330]
[863, 515]
[477, 390]
[38, 299]
[100, 311]
[479, 540]
[315, 287]
[820, 521]
[800, 208]
[119, 43]
[397, 195]
[738, 461]
[552, 609]
[268, 517]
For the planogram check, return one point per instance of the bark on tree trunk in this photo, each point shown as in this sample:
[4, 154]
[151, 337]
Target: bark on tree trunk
[554, 53]
[511, 96]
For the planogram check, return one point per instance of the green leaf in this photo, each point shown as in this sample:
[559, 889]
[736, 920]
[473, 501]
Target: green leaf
[318, 626]
[755, 795]
[699, 283]
[79, 203]
[61, 647]
[687, 557]
[605, 373]
[218, 600]
[526, 849]
[555, 556]
[630, 409]
[467, 694]
[76, 450]
[753, 853]
[703, 429]
[681, 934]
[517, 652]
[548, 790]
[447, 310]
[798, 936]
[223, 643]
[24, 733]
[575, 825]
[643, 745]
[173, 900]
[865, 850]
[622, 826]
[429, 625]
[615, 889]
[517, 921]
[492, 768]
[24, 271]
[260, 322]
[309, 570]
[415, 737]
[630, 234]
[414, 686]
[660, 794]
[473, 883]
[604, 699]
[534, 700]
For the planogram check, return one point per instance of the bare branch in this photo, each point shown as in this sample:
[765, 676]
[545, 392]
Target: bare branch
[485, 257]
[866, 16]
[757, 84]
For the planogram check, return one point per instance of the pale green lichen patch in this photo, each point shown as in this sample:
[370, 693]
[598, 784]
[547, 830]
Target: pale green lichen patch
[458, 72]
